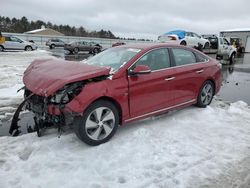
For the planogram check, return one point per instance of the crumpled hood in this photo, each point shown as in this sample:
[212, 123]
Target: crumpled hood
[44, 77]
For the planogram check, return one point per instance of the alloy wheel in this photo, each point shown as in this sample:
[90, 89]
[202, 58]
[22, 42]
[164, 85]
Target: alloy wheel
[100, 123]
[28, 48]
[207, 94]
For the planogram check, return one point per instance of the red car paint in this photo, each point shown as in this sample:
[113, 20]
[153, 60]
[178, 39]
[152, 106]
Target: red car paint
[44, 77]
[136, 97]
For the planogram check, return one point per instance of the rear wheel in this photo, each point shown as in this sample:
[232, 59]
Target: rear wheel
[28, 48]
[183, 43]
[206, 46]
[98, 123]
[206, 94]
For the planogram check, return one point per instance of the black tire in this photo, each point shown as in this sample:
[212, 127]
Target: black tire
[97, 128]
[76, 50]
[1, 48]
[206, 46]
[52, 46]
[232, 58]
[206, 94]
[28, 48]
[184, 43]
[95, 51]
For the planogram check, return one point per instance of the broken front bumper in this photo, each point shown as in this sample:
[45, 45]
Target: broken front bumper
[45, 114]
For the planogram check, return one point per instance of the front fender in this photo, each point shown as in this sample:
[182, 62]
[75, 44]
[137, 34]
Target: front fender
[117, 90]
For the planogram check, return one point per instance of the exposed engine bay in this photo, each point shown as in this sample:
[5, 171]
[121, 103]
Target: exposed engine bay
[40, 106]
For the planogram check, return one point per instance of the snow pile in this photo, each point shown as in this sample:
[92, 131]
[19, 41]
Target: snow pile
[12, 66]
[193, 147]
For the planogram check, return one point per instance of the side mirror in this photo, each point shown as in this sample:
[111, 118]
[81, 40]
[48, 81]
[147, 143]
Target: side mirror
[140, 69]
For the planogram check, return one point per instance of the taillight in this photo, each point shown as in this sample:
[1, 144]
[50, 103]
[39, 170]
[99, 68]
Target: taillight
[172, 37]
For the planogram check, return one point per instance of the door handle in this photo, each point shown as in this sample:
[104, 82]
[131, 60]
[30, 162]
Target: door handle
[199, 71]
[169, 78]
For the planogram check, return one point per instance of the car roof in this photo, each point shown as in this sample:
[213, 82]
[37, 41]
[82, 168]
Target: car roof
[148, 46]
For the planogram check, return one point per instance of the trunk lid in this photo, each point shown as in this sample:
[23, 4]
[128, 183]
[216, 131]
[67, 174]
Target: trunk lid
[45, 77]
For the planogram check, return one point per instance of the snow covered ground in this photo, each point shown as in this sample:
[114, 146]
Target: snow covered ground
[12, 66]
[188, 148]
[193, 147]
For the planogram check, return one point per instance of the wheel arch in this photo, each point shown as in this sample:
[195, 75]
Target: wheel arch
[212, 81]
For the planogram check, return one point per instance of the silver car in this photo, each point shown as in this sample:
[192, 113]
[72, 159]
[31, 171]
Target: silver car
[52, 43]
[15, 43]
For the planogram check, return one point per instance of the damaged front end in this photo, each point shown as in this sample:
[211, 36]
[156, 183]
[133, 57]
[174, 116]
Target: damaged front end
[48, 111]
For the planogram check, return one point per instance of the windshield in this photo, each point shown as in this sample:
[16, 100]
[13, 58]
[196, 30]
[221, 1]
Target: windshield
[113, 57]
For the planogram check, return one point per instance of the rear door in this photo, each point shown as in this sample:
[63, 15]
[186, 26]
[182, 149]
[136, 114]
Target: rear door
[150, 92]
[189, 39]
[189, 75]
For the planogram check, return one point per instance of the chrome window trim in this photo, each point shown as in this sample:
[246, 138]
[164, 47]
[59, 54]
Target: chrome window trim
[176, 66]
[161, 110]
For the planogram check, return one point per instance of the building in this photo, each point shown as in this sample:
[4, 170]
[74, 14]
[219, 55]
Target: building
[44, 31]
[242, 34]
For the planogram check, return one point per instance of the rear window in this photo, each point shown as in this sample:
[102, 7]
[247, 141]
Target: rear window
[201, 58]
[183, 57]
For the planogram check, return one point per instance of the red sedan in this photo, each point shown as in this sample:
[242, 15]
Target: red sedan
[119, 85]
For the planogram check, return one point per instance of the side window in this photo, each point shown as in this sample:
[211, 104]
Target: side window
[156, 59]
[14, 39]
[225, 42]
[183, 57]
[196, 35]
[221, 41]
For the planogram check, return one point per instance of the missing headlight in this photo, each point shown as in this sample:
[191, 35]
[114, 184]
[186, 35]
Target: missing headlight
[67, 93]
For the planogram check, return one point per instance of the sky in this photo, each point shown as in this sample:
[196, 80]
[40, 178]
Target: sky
[136, 18]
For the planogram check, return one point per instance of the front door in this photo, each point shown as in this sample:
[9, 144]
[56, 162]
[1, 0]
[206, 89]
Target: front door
[150, 92]
[13, 43]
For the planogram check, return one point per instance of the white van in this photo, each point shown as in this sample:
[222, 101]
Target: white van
[15, 43]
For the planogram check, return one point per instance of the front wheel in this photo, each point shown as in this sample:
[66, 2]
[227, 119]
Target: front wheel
[76, 50]
[95, 51]
[98, 123]
[232, 58]
[28, 48]
[206, 94]
[1, 48]
[52, 46]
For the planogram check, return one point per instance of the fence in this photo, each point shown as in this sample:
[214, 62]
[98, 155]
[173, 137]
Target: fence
[40, 40]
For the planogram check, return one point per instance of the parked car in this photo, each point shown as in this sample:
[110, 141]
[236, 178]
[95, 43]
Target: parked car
[117, 86]
[185, 38]
[15, 43]
[223, 49]
[52, 43]
[118, 44]
[75, 47]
